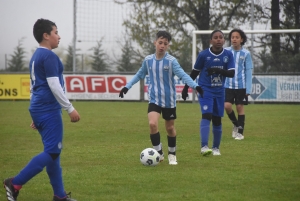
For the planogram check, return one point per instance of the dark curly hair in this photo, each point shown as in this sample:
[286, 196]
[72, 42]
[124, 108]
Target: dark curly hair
[242, 34]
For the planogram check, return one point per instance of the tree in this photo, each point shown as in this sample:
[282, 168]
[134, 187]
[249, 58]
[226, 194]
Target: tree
[99, 58]
[127, 63]
[17, 63]
[68, 65]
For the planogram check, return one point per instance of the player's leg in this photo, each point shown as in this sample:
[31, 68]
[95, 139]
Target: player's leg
[154, 112]
[44, 124]
[218, 112]
[229, 100]
[169, 115]
[241, 113]
[206, 105]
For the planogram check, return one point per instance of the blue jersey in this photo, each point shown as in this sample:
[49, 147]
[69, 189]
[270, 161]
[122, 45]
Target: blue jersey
[243, 70]
[161, 89]
[206, 59]
[44, 64]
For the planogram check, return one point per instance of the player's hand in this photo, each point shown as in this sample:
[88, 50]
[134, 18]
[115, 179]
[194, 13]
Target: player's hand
[200, 91]
[32, 125]
[211, 71]
[184, 93]
[74, 116]
[123, 91]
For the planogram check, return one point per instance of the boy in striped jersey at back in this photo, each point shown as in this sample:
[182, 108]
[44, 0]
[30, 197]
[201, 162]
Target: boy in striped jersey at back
[238, 88]
[161, 68]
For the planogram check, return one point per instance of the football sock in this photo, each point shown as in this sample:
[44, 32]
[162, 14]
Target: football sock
[155, 139]
[217, 132]
[232, 118]
[172, 145]
[204, 132]
[35, 166]
[241, 120]
[55, 175]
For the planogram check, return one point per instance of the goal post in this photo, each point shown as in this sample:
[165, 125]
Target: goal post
[276, 77]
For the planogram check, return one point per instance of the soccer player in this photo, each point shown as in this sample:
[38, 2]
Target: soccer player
[46, 100]
[214, 65]
[161, 68]
[238, 88]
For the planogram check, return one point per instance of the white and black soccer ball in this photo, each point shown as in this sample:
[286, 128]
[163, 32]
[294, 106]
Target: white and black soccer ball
[149, 157]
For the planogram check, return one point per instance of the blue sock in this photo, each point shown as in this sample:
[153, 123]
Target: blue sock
[35, 166]
[204, 132]
[55, 175]
[217, 131]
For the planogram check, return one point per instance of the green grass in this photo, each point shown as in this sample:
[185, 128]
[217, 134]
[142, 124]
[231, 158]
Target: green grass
[100, 159]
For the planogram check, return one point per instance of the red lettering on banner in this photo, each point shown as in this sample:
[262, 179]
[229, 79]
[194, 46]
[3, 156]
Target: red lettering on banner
[95, 84]
[75, 84]
[116, 83]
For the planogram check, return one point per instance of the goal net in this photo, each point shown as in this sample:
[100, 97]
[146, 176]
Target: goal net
[276, 74]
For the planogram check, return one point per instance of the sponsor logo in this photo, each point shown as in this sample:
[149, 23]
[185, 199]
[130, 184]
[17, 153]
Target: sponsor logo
[94, 84]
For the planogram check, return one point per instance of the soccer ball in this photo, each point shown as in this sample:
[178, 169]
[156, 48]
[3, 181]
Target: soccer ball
[149, 157]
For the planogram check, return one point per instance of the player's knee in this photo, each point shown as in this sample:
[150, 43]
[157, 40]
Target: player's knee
[216, 120]
[153, 125]
[207, 116]
[54, 155]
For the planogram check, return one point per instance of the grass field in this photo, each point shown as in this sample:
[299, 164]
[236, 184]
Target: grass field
[100, 159]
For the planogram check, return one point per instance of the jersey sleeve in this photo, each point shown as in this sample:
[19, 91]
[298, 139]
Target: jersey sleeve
[230, 64]
[51, 66]
[59, 94]
[179, 72]
[141, 74]
[249, 67]
[199, 64]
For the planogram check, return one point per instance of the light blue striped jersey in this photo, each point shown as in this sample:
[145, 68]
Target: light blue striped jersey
[243, 70]
[161, 89]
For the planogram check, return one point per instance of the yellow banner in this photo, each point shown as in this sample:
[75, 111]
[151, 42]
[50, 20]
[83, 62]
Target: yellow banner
[14, 86]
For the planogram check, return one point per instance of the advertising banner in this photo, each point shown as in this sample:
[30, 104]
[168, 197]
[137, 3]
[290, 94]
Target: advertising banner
[14, 86]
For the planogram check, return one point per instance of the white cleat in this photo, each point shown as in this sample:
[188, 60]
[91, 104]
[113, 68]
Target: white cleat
[239, 137]
[172, 159]
[235, 131]
[205, 151]
[216, 152]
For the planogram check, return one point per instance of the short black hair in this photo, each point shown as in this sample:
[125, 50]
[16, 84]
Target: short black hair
[242, 33]
[40, 27]
[217, 30]
[164, 34]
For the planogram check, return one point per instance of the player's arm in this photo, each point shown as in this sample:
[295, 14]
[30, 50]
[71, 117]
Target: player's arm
[141, 74]
[248, 73]
[226, 73]
[61, 98]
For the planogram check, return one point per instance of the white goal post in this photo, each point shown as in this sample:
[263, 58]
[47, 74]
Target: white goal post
[194, 46]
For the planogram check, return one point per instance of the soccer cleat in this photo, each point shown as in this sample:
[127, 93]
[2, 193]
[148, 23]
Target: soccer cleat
[205, 151]
[11, 192]
[161, 157]
[239, 137]
[172, 159]
[235, 131]
[55, 198]
[216, 151]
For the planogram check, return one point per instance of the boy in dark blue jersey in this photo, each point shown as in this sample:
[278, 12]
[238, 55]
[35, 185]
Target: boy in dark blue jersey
[47, 98]
[215, 64]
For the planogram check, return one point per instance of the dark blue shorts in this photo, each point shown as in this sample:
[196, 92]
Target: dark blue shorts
[50, 127]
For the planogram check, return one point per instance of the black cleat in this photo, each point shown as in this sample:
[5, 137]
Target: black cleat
[11, 192]
[55, 198]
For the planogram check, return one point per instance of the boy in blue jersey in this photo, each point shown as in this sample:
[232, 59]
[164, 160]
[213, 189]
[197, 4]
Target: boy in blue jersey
[46, 100]
[161, 68]
[238, 88]
[215, 64]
